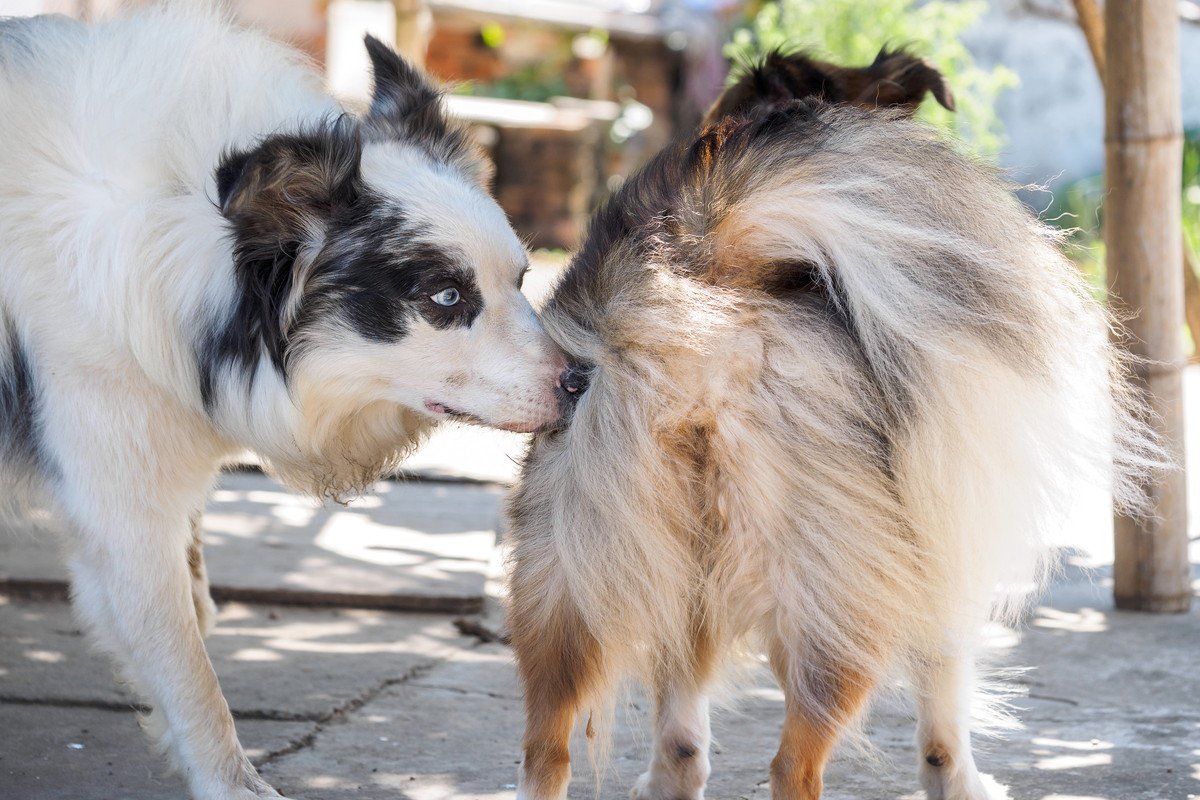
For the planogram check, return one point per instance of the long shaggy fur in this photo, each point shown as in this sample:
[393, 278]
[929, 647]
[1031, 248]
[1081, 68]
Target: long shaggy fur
[842, 386]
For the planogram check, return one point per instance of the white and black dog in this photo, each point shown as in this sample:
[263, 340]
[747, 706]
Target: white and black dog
[201, 252]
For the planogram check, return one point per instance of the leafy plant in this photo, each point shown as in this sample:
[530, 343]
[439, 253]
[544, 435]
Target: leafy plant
[536, 82]
[1078, 208]
[851, 32]
[1191, 190]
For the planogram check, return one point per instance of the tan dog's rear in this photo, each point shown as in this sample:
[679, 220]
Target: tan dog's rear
[840, 386]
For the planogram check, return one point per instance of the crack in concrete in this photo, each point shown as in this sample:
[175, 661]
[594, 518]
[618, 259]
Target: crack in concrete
[342, 711]
[470, 692]
[338, 713]
[125, 707]
[73, 702]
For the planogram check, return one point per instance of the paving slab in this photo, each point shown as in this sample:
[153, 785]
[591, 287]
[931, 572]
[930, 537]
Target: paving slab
[460, 452]
[448, 738]
[273, 662]
[287, 673]
[1113, 713]
[367, 704]
[406, 545]
[89, 754]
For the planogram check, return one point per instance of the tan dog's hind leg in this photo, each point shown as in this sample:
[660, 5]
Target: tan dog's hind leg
[206, 610]
[947, 766]
[559, 664]
[679, 767]
[809, 734]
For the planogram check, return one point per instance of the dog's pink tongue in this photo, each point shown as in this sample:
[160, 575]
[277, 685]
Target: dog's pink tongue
[436, 408]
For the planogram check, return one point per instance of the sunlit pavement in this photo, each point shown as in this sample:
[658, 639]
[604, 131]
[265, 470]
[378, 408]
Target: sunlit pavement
[372, 704]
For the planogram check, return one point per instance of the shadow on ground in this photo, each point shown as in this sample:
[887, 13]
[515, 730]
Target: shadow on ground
[368, 704]
[405, 545]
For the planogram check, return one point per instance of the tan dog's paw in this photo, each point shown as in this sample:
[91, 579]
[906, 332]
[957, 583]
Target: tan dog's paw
[647, 788]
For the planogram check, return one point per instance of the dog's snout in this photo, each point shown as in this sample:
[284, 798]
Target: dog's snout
[573, 381]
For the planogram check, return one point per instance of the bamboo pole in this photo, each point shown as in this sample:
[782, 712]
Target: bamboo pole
[414, 29]
[1093, 32]
[1191, 299]
[1092, 24]
[1142, 175]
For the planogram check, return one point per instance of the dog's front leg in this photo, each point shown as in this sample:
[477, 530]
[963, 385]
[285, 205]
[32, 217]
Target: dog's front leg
[206, 610]
[127, 475]
[820, 698]
[944, 683]
[133, 587]
[679, 767]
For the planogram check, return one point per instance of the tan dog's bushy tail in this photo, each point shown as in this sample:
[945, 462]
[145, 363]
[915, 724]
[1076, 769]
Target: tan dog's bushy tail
[895, 80]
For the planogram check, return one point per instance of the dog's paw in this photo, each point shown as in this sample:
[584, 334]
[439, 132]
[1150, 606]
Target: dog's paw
[246, 785]
[970, 785]
[647, 788]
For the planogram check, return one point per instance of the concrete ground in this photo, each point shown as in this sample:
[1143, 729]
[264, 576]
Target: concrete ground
[344, 703]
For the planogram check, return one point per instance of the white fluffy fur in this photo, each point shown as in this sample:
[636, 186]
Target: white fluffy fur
[114, 257]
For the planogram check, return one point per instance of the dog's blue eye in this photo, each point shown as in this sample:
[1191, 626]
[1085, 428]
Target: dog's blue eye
[446, 297]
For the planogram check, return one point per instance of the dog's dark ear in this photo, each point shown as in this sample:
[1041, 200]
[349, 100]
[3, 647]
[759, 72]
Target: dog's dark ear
[232, 165]
[898, 80]
[773, 82]
[278, 187]
[278, 198]
[894, 80]
[402, 98]
[405, 105]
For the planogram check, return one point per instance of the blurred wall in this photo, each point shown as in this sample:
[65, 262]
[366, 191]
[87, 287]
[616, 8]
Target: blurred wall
[1054, 120]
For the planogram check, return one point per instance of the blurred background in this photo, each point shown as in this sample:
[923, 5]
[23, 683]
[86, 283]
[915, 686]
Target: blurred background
[570, 96]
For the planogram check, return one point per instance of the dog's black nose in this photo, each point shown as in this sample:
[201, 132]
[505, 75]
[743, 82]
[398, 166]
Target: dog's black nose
[573, 381]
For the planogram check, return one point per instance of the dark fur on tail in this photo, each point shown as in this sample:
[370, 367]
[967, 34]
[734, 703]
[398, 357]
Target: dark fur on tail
[894, 80]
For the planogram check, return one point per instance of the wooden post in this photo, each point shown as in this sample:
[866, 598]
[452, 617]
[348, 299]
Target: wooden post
[414, 28]
[1191, 299]
[1092, 25]
[1143, 162]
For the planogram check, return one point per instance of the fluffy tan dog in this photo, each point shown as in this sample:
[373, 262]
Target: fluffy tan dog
[836, 385]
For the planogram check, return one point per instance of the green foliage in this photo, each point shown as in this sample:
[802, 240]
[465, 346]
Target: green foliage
[1191, 204]
[851, 33]
[534, 82]
[492, 34]
[1078, 209]
[1191, 190]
